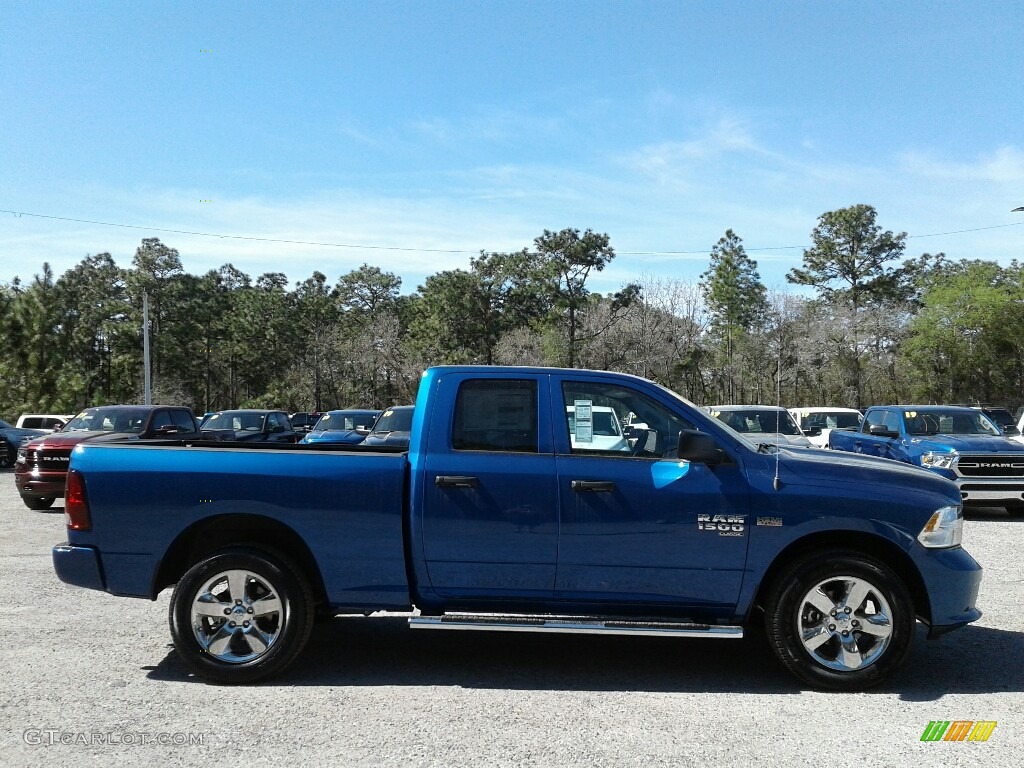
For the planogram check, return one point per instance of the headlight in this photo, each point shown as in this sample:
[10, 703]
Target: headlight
[937, 460]
[945, 528]
[22, 454]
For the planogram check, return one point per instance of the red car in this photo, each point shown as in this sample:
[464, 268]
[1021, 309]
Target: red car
[42, 464]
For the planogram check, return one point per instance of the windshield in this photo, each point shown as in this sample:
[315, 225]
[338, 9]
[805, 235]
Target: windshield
[1000, 416]
[951, 422]
[394, 420]
[346, 421]
[831, 420]
[130, 420]
[752, 421]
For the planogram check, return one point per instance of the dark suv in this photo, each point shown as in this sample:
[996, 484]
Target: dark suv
[42, 464]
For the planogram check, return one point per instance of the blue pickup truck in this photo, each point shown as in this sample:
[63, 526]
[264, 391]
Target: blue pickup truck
[961, 444]
[498, 517]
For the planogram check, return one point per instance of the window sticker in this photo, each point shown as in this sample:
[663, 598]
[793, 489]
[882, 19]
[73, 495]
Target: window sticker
[584, 422]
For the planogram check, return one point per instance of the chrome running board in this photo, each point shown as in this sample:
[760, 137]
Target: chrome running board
[586, 625]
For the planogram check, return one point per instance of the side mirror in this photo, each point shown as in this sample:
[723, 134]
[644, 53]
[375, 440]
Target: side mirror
[168, 429]
[698, 447]
[881, 431]
[812, 431]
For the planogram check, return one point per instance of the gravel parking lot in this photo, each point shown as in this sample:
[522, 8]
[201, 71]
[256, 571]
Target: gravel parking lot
[90, 679]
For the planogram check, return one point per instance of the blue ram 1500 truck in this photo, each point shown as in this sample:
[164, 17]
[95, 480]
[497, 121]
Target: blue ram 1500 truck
[961, 444]
[497, 518]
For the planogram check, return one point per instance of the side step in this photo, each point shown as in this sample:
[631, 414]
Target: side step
[586, 625]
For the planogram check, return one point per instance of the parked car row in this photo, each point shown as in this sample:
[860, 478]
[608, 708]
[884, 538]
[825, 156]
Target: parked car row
[41, 456]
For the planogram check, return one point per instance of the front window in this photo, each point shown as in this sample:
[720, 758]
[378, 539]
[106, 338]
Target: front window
[618, 421]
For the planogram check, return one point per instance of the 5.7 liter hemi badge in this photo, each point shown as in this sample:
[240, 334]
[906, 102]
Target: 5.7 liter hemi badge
[726, 525]
[772, 522]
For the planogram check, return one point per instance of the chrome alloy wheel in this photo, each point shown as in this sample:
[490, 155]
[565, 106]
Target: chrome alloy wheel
[844, 623]
[237, 616]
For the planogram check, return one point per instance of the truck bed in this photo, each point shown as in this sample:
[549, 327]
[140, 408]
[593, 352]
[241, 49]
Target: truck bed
[345, 503]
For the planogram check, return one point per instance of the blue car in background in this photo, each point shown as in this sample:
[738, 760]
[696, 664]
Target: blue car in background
[349, 426]
[13, 438]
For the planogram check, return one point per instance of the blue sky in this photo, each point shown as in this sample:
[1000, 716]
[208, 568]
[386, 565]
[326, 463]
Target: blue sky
[425, 132]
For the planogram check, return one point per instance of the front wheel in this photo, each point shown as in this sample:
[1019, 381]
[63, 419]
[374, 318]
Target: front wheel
[241, 615]
[38, 502]
[839, 620]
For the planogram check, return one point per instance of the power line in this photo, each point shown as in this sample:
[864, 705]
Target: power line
[440, 250]
[233, 237]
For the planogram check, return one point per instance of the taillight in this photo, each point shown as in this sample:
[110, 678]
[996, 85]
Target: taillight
[76, 508]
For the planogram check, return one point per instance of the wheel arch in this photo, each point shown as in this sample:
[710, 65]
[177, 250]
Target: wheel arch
[242, 530]
[857, 541]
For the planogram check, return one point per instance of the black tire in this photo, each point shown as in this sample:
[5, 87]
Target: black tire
[38, 502]
[1015, 510]
[808, 638]
[267, 623]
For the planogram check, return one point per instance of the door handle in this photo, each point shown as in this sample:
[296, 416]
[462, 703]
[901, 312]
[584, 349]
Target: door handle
[593, 486]
[455, 481]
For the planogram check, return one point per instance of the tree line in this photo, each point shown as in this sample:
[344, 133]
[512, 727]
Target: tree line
[861, 324]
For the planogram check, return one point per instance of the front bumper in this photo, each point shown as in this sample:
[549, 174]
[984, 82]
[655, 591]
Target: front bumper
[951, 579]
[79, 566]
[973, 491]
[36, 484]
[984, 491]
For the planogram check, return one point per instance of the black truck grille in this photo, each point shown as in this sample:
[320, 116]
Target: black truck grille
[49, 460]
[1005, 465]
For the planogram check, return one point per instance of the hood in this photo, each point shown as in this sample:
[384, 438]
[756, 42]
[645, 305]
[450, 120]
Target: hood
[18, 434]
[967, 443]
[397, 438]
[826, 468]
[333, 436]
[59, 440]
[798, 441]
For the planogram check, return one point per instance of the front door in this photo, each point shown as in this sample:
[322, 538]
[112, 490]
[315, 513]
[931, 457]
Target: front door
[638, 525]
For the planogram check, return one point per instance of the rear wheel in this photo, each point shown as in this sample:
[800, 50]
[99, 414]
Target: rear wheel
[38, 502]
[1015, 510]
[839, 620]
[241, 615]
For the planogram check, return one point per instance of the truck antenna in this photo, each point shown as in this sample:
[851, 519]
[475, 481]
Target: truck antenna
[777, 481]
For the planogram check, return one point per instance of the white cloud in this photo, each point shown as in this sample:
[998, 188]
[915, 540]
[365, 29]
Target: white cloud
[1003, 166]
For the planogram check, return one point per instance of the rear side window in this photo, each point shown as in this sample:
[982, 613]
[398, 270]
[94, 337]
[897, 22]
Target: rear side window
[496, 415]
[183, 421]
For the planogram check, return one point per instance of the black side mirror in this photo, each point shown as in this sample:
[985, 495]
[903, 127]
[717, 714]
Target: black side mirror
[881, 431]
[698, 447]
[812, 431]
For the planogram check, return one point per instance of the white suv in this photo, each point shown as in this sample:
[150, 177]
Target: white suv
[45, 422]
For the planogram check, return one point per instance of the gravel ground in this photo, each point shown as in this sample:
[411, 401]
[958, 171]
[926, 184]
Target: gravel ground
[90, 679]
